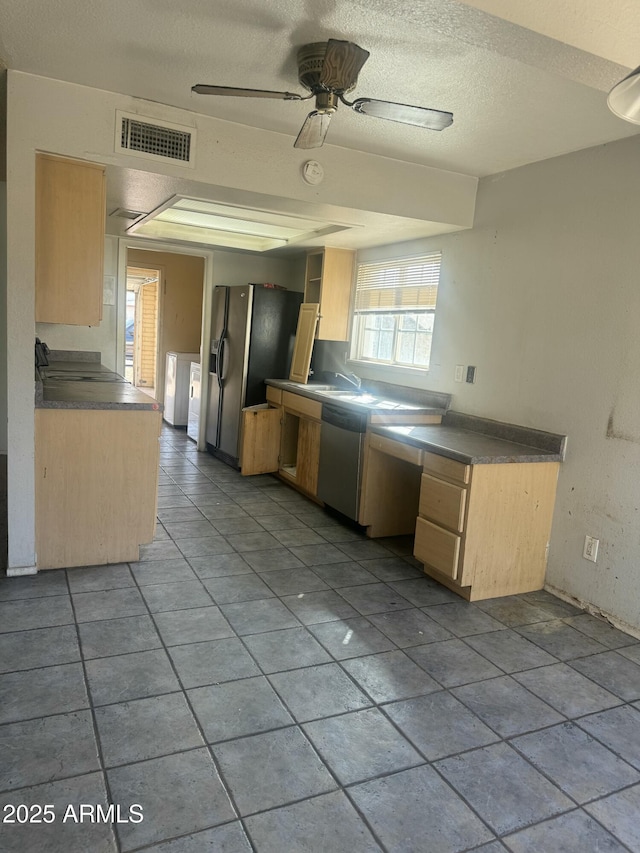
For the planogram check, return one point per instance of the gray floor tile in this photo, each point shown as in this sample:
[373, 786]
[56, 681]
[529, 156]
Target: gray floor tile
[423, 591]
[574, 832]
[416, 810]
[323, 606]
[506, 706]
[221, 508]
[338, 575]
[438, 725]
[619, 729]
[39, 647]
[94, 578]
[519, 795]
[364, 549]
[237, 588]
[35, 613]
[513, 610]
[146, 728]
[619, 814]
[40, 692]
[319, 825]
[110, 604]
[332, 532]
[162, 571]
[319, 555]
[229, 838]
[361, 745]
[40, 585]
[578, 764]
[602, 631]
[299, 536]
[290, 648]
[272, 769]
[566, 690]
[280, 521]
[318, 691]
[203, 546]
[178, 514]
[272, 559]
[561, 640]
[47, 749]
[374, 598]
[172, 498]
[351, 638]
[391, 569]
[176, 596]
[130, 676]
[237, 525]
[463, 618]
[181, 794]
[294, 581]
[178, 627]
[400, 545]
[189, 529]
[70, 836]
[409, 627]
[389, 676]
[118, 636]
[254, 617]
[631, 652]
[199, 664]
[554, 606]
[612, 671]
[453, 663]
[162, 549]
[219, 565]
[252, 541]
[238, 708]
[509, 651]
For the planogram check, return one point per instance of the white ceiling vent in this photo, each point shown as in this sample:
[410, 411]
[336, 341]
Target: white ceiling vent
[154, 140]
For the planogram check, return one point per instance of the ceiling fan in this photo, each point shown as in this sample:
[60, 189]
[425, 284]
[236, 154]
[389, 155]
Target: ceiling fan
[328, 70]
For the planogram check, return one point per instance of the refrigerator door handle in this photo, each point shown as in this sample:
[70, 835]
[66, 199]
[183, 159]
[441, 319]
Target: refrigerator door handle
[220, 364]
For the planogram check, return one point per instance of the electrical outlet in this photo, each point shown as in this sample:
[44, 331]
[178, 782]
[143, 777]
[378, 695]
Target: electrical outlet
[471, 374]
[459, 373]
[590, 550]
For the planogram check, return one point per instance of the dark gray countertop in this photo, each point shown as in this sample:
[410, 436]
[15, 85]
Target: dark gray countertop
[56, 389]
[479, 441]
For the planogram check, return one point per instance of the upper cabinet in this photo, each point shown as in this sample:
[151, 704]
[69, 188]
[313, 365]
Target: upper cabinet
[70, 229]
[328, 278]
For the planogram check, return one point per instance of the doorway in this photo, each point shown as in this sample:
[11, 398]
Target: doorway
[141, 328]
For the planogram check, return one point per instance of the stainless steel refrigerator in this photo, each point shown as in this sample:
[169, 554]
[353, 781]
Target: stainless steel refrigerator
[252, 336]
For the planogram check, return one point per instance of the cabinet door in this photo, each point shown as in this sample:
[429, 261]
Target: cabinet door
[308, 457]
[260, 445]
[335, 295]
[70, 229]
[307, 321]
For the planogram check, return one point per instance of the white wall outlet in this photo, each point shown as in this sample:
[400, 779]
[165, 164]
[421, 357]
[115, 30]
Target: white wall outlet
[471, 374]
[459, 372]
[590, 550]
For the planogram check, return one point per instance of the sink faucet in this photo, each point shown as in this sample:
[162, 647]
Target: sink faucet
[351, 379]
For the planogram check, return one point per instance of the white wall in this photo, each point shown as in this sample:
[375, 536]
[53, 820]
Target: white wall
[235, 268]
[543, 296]
[3, 317]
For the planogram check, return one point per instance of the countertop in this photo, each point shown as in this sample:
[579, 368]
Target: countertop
[364, 402]
[59, 385]
[479, 441]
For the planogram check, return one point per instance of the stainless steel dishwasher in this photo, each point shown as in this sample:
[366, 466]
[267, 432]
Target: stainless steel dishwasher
[341, 448]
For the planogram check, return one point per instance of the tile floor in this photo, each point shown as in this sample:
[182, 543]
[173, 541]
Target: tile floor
[268, 679]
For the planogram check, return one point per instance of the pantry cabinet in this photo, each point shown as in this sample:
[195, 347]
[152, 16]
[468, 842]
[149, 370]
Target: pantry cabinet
[328, 278]
[70, 229]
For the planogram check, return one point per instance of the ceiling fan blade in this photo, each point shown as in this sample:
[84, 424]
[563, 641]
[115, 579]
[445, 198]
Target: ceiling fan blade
[342, 63]
[313, 130]
[403, 113]
[202, 89]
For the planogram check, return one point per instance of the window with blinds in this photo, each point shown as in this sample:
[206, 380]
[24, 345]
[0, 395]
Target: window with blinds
[394, 309]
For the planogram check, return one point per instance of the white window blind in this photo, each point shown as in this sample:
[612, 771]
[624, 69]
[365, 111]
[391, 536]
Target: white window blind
[401, 285]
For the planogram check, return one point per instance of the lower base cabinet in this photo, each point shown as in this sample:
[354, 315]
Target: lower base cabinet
[96, 485]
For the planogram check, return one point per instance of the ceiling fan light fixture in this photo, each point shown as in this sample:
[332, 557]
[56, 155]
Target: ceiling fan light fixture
[624, 99]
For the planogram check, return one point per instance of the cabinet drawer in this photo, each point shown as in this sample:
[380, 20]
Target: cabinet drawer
[302, 405]
[274, 395]
[443, 502]
[442, 466]
[395, 448]
[437, 547]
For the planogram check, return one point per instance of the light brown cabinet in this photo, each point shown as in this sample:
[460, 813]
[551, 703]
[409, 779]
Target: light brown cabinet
[96, 485]
[305, 333]
[328, 278]
[283, 437]
[70, 229]
[483, 530]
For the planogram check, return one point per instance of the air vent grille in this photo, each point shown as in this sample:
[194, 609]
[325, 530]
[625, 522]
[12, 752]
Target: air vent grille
[154, 140]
